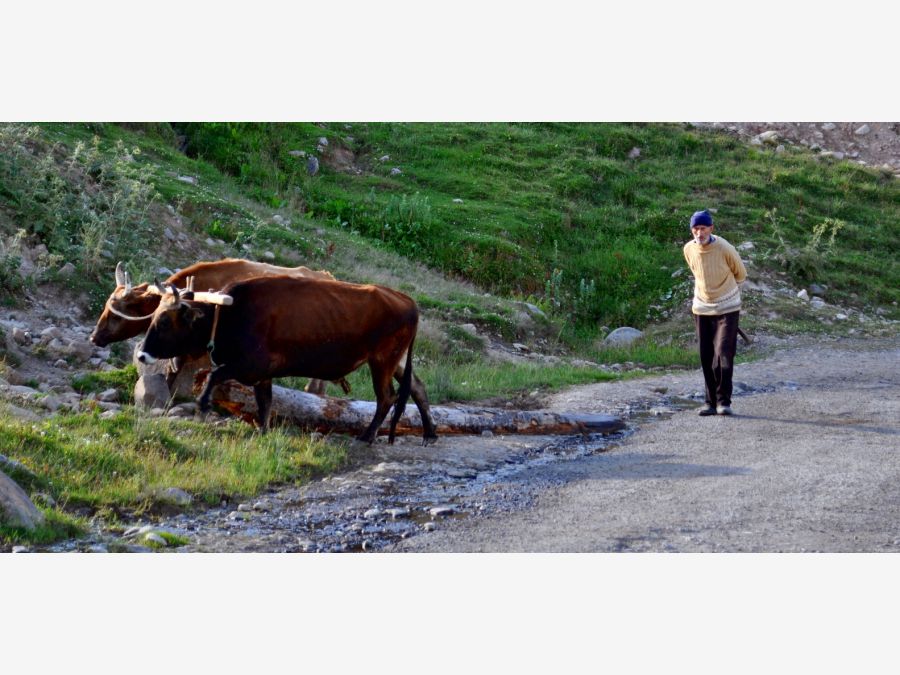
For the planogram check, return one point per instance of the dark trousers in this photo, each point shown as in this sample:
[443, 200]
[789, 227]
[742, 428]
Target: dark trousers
[718, 343]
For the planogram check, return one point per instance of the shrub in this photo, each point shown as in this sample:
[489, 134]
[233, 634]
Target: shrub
[88, 203]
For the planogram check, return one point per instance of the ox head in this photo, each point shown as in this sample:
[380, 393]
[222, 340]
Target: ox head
[127, 311]
[178, 328]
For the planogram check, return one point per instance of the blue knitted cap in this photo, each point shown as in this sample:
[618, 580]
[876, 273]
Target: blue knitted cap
[703, 217]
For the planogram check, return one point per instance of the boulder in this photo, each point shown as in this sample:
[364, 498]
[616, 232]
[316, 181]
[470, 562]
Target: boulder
[109, 395]
[80, 349]
[150, 391]
[623, 336]
[21, 336]
[50, 333]
[534, 310]
[16, 509]
[175, 496]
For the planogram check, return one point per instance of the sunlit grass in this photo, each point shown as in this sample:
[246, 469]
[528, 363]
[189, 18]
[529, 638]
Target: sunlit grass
[126, 462]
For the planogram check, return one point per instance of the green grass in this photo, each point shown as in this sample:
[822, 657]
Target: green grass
[122, 379]
[461, 375]
[57, 525]
[553, 213]
[121, 464]
[545, 197]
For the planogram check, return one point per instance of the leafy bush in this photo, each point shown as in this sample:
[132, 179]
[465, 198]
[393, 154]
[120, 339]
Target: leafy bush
[10, 279]
[88, 203]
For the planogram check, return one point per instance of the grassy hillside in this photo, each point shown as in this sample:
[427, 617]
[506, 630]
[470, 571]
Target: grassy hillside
[557, 214]
[561, 214]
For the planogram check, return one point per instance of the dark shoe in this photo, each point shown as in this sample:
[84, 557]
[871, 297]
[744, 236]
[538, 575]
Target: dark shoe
[706, 410]
[723, 409]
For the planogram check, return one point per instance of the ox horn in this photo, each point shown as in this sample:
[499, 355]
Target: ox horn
[127, 283]
[174, 290]
[120, 274]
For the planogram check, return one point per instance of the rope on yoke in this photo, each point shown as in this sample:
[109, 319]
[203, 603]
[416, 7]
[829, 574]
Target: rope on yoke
[211, 345]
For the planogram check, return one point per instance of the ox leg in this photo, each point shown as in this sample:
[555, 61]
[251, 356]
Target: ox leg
[344, 384]
[316, 387]
[216, 375]
[263, 393]
[384, 397]
[420, 397]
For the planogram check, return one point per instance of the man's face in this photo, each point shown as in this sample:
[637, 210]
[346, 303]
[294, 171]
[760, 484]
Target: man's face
[701, 233]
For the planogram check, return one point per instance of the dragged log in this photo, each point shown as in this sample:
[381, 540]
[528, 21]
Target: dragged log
[343, 416]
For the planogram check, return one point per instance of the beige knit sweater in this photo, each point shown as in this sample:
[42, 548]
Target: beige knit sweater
[717, 270]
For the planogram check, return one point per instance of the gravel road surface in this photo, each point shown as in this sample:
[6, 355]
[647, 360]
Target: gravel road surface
[810, 461]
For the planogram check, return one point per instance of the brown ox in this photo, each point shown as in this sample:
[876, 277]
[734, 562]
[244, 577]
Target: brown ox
[128, 310]
[287, 326]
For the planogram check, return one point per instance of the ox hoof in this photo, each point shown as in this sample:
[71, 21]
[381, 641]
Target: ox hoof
[429, 440]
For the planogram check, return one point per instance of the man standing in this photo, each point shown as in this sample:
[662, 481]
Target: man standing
[718, 271]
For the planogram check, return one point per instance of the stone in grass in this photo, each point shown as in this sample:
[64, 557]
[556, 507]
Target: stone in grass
[397, 512]
[151, 391]
[16, 509]
[110, 395]
[442, 510]
[155, 539]
[175, 496]
[623, 336]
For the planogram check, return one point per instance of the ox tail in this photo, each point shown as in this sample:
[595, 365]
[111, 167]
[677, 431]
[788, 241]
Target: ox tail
[405, 388]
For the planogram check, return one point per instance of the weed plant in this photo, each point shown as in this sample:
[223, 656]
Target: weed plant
[88, 202]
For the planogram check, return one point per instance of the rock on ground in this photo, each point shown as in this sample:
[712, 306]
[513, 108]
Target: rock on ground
[16, 509]
[623, 336]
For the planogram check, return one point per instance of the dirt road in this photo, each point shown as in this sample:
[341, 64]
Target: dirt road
[809, 462]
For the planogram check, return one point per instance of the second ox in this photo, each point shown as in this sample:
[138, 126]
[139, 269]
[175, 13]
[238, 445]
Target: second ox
[128, 310]
[284, 326]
